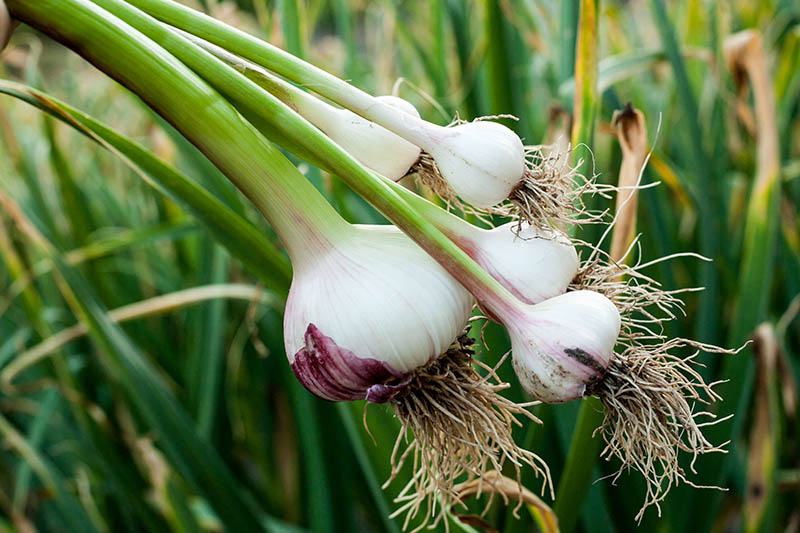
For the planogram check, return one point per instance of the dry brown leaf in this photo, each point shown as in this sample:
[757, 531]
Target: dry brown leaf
[494, 482]
[744, 54]
[632, 135]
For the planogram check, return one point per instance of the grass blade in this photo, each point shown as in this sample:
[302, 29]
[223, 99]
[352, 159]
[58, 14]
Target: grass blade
[239, 236]
[192, 457]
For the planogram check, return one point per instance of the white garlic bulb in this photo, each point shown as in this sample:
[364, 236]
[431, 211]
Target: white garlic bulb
[533, 263]
[482, 161]
[373, 308]
[562, 346]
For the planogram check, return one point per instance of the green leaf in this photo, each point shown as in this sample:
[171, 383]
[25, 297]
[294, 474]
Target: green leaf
[244, 241]
[194, 459]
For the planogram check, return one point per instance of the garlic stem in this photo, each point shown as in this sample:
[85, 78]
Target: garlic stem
[560, 256]
[301, 217]
[377, 148]
[493, 297]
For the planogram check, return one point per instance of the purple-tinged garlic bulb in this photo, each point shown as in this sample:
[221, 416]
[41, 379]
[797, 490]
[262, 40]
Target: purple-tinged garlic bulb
[369, 312]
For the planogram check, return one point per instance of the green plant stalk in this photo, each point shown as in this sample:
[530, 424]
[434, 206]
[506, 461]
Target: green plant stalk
[584, 450]
[381, 193]
[75, 204]
[498, 62]
[240, 237]
[289, 66]
[301, 217]
[568, 24]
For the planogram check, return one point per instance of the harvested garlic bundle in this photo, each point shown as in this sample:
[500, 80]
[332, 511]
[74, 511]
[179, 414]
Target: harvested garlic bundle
[507, 308]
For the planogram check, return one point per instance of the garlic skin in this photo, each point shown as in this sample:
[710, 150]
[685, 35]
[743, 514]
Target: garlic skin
[534, 263]
[386, 307]
[482, 161]
[374, 146]
[562, 346]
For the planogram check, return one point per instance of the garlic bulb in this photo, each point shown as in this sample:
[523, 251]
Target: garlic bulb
[373, 145]
[482, 161]
[534, 264]
[373, 308]
[563, 346]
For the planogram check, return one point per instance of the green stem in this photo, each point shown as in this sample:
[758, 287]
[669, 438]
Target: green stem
[318, 113]
[386, 196]
[301, 217]
[412, 129]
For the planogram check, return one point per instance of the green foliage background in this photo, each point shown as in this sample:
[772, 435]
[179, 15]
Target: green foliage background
[85, 444]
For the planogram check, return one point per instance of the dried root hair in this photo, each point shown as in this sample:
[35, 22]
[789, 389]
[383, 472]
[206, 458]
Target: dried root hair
[552, 192]
[456, 427]
[651, 391]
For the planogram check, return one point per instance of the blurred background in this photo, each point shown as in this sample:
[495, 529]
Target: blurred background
[83, 450]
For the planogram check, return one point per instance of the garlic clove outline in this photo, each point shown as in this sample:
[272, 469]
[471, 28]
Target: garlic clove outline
[381, 302]
[564, 345]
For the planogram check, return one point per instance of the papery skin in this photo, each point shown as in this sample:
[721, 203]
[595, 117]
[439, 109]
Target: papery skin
[562, 346]
[378, 296]
[482, 161]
